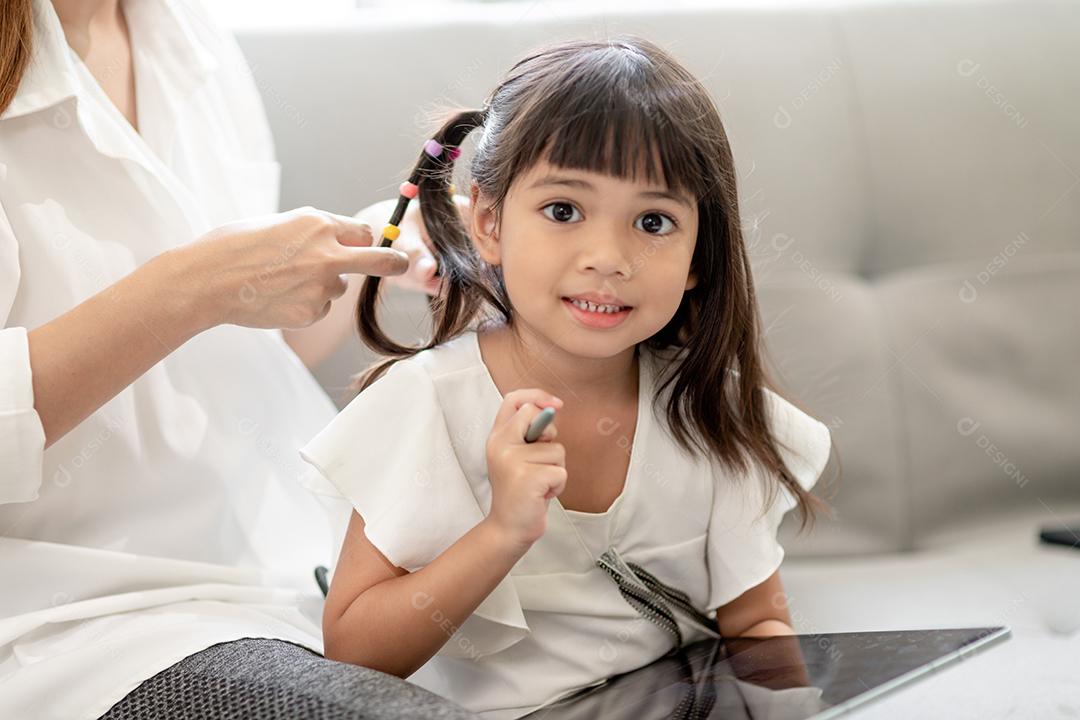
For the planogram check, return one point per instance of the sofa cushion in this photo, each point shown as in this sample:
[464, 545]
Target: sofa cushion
[986, 373]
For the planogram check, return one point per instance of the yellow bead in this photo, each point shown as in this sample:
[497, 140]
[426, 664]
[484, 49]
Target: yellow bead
[391, 232]
[453, 190]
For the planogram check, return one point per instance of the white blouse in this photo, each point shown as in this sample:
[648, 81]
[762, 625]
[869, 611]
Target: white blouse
[171, 518]
[409, 454]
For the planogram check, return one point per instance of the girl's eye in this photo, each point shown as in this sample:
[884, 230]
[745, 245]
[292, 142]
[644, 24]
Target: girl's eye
[562, 212]
[655, 223]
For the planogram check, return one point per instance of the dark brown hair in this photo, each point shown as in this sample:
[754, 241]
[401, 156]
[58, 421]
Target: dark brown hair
[619, 107]
[16, 32]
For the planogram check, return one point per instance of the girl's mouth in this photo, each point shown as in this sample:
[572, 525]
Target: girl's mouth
[596, 316]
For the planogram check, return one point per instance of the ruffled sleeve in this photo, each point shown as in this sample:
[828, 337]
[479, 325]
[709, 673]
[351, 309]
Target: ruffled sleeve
[389, 453]
[742, 549]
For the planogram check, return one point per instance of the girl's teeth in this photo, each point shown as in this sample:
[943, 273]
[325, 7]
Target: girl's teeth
[586, 305]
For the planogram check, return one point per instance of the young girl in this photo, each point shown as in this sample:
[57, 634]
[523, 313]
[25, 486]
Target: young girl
[603, 273]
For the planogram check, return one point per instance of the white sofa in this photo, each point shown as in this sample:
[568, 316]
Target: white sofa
[909, 176]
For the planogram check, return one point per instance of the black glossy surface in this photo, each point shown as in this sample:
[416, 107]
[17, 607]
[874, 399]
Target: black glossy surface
[789, 678]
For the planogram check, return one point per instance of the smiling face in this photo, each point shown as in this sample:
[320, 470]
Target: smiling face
[593, 263]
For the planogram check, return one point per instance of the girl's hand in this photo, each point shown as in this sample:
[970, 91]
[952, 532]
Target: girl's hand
[279, 271]
[524, 476]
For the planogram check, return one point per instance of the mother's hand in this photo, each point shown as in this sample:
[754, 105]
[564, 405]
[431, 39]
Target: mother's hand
[280, 271]
[315, 343]
[413, 241]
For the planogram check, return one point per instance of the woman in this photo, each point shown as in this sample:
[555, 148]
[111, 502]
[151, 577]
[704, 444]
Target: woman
[151, 516]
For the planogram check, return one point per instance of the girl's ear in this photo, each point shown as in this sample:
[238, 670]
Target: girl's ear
[484, 227]
[691, 281]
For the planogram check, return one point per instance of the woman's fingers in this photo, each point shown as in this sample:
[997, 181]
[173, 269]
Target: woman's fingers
[370, 261]
[338, 286]
[425, 265]
[435, 286]
[414, 243]
[352, 231]
[420, 275]
[422, 264]
[281, 271]
[356, 254]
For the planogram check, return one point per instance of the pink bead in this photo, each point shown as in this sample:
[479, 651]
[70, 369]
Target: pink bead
[408, 190]
[455, 153]
[433, 148]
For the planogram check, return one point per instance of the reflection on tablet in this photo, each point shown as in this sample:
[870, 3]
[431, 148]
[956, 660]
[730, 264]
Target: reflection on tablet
[780, 678]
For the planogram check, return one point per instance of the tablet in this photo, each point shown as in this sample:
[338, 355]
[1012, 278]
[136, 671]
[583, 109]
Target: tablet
[781, 678]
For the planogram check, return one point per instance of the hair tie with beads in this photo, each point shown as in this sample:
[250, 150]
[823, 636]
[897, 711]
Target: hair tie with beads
[437, 154]
[410, 189]
[433, 148]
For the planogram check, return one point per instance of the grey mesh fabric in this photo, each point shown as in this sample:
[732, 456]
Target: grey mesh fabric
[260, 679]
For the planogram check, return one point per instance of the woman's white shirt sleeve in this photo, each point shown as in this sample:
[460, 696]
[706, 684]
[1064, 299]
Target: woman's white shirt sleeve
[743, 550]
[390, 454]
[22, 437]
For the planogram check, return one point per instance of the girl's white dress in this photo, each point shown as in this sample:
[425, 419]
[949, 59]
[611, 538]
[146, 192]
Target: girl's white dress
[409, 453]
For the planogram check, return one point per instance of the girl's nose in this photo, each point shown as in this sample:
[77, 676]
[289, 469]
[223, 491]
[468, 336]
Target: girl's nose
[606, 253]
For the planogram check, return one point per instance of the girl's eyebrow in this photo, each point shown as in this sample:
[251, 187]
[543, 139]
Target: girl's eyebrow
[558, 180]
[665, 195]
[586, 185]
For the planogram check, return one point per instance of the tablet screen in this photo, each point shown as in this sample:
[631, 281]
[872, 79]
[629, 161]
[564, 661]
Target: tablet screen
[781, 678]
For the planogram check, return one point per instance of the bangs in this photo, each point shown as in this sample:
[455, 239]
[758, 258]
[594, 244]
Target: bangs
[617, 112]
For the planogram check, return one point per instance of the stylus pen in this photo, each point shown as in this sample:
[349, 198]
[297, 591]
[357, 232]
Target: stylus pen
[537, 426]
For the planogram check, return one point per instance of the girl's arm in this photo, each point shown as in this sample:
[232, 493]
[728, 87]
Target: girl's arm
[761, 611]
[385, 617]
[382, 617]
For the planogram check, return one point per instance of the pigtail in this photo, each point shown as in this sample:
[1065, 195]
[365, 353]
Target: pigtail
[465, 276]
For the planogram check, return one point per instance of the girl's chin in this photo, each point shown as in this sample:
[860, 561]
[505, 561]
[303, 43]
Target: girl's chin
[589, 344]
